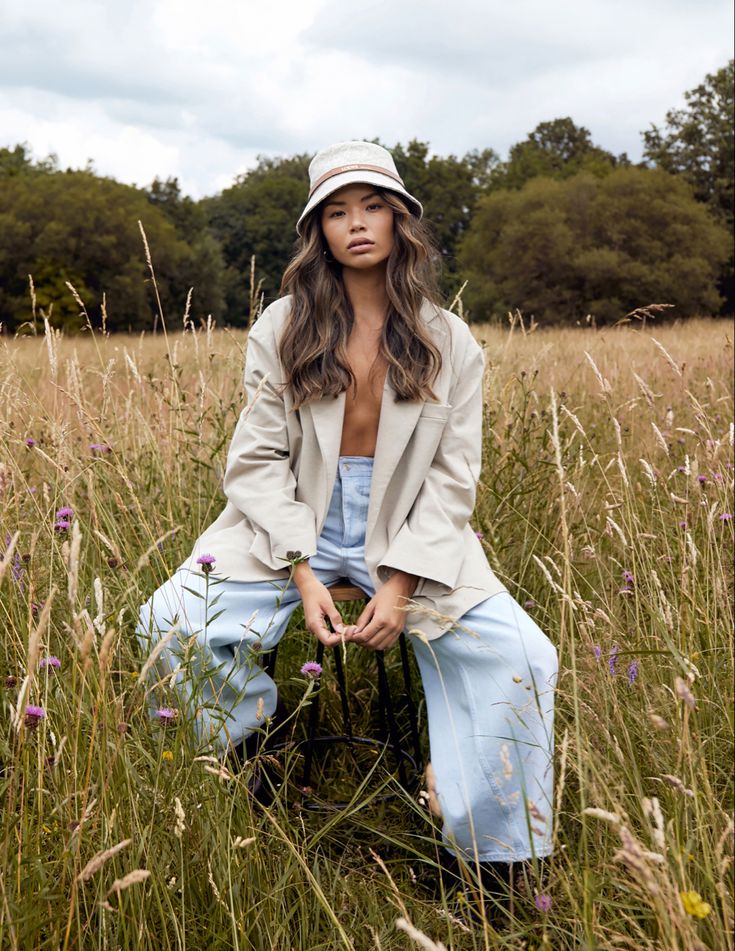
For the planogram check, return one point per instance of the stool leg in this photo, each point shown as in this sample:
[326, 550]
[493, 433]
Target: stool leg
[386, 702]
[313, 720]
[412, 715]
[269, 662]
[339, 670]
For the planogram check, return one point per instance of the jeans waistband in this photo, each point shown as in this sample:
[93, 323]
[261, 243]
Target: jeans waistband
[354, 466]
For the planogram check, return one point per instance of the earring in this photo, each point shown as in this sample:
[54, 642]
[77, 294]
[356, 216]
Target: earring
[330, 260]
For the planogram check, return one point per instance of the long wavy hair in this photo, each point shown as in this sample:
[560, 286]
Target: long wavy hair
[313, 346]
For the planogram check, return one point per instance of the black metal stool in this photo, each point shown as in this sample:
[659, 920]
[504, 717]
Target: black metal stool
[343, 590]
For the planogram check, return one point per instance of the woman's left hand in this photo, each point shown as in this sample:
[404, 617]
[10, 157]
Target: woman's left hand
[381, 621]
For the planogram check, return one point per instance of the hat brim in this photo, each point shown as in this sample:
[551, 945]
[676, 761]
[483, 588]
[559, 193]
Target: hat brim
[353, 178]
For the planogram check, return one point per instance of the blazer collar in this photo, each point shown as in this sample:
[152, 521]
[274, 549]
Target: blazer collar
[397, 422]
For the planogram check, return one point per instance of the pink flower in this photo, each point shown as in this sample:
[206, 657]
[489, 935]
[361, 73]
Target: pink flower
[167, 714]
[50, 662]
[543, 902]
[34, 715]
[312, 670]
[207, 562]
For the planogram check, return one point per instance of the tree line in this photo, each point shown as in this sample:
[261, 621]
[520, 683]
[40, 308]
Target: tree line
[563, 230]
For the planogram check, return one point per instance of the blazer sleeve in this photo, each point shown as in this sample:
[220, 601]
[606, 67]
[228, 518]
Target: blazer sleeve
[258, 479]
[431, 542]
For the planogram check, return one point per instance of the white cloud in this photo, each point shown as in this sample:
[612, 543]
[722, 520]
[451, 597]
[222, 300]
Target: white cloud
[173, 87]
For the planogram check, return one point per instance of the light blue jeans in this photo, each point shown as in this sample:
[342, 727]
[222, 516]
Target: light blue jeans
[488, 682]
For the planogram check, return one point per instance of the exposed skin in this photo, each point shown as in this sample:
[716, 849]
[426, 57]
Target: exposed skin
[350, 212]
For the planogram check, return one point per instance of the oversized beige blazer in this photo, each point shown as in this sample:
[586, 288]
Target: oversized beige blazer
[281, 467]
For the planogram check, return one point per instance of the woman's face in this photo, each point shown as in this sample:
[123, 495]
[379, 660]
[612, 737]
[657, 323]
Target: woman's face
[356, 213]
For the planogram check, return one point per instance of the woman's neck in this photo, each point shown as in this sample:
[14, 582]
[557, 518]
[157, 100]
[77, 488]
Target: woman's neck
[367, 295]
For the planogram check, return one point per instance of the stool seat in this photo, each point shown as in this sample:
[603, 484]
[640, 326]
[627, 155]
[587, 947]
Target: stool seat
[343, 590]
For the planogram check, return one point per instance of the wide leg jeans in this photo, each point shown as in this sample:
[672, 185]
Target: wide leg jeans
[488, 682]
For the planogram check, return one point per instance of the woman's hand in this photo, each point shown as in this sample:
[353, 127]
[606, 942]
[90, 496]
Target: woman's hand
[382, 620]
[318, 605]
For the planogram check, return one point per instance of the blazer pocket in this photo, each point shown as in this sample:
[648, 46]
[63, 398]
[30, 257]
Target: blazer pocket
[438, 411]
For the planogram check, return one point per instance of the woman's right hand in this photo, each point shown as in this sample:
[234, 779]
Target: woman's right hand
[318, 605]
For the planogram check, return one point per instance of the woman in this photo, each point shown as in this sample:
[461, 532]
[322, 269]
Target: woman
[358, 456]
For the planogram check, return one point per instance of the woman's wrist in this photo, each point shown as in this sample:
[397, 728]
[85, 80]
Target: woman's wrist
[404, 582]
[303, 574]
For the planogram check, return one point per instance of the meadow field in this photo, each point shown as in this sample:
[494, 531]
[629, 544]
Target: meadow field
[605, 505]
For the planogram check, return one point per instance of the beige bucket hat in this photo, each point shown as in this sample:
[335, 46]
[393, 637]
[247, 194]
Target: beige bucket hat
[346, 163]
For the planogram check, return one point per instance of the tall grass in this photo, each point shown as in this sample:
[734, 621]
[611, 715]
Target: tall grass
[604, 504]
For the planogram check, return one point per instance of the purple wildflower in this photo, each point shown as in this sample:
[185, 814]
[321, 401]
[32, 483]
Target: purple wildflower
[51, 661]
[543, 902]
[725, 517]
[613, 659]
[682, 524]
[633, 671]
[34, 715]
[65, 512]
[628, 576]
[18, 571]
[701, 479]
[30, 442]
[207, 562]
[598, 651]
[167, 714]
[100, 447]
[479, 534]
[61, 525]
[312, 670]
[529, 603]
[681, 468]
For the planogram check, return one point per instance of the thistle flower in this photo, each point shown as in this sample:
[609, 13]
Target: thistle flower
[61, 525]
[34, 715]
[100, 447]
[725, 517]
[695, 905]
[207, 563]
[529, 603]
[312, 670]
[543, 902]
[701, 478]
[633, 671]
[167, 714]
[65, 512]
[30, 442]
[51, 661]
[479, 534]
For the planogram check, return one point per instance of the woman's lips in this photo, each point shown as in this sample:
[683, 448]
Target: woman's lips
[360, 248]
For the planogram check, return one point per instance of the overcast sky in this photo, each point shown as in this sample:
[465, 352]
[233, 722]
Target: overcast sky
[198, 90]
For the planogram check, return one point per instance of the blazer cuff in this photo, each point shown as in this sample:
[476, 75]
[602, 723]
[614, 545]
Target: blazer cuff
[405, 554]
[279, 555]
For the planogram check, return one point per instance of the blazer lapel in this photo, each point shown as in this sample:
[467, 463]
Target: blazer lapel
[397, 422]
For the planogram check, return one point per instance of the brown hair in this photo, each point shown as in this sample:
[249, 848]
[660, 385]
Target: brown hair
[314, 340]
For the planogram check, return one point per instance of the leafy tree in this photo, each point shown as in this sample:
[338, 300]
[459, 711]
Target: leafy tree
[19, 161]
[560, 249]
[75, 226]
[257, 215]
[448, 189]
[697, 144]
[556, 149]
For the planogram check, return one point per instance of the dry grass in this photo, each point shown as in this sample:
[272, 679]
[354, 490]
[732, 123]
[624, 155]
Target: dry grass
[607, 473]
